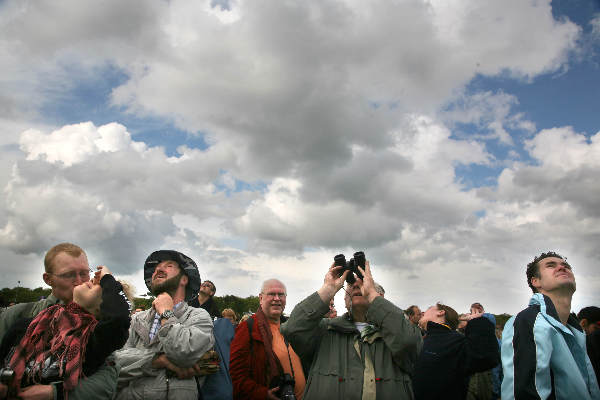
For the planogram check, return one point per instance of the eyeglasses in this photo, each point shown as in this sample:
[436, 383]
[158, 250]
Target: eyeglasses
[72, 276]
[281, 295]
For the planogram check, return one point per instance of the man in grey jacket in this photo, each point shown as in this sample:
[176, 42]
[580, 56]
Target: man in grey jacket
[160, 358]
[66, 266]
[366, 354]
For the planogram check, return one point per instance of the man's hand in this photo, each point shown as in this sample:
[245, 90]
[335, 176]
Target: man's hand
[208, 364]
[271, 394]
[37, 392]
[332, 283]
[468, 317]
[368, 284]
[162, 303]
[162, 362]
[101, 271]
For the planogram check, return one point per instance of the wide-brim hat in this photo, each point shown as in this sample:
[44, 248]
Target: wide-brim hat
[187, 265]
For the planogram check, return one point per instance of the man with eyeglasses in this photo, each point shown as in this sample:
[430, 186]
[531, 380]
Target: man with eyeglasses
[259, 344]
[66, 266]
[205, 299]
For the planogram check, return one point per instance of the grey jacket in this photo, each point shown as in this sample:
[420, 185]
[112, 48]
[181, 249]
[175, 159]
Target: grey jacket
[184, 338]
[101, 385]
[344, 365]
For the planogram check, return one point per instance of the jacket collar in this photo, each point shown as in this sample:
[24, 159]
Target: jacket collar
[437, 329]
[549, 311]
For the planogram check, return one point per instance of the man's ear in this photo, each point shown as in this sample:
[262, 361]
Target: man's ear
[184, 280]
[47, 279]
[441, 313]
[535, 282]
[583, 323]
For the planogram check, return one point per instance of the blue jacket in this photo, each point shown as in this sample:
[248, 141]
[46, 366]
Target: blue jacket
[542, 358]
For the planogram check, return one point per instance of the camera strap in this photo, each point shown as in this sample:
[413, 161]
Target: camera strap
[287, 346]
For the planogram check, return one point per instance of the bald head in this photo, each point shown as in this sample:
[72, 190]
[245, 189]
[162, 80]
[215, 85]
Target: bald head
[270, 282]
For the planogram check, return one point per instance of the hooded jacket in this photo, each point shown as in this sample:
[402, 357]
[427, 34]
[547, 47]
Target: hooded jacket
[542, 358]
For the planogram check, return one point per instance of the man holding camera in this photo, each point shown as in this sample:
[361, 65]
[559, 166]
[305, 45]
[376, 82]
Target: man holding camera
[368, 353]
[161, 357]
[275, 369]
[66, 266]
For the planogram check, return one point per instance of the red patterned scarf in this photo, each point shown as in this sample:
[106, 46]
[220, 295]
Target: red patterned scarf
[60, 332]
[273, 365]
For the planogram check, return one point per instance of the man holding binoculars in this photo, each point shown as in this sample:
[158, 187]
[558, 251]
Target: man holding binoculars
[368, 353]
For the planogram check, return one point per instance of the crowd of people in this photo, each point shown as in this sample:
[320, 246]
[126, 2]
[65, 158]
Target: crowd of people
[85, 341]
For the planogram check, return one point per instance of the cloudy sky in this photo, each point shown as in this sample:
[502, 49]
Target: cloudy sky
[451, 140]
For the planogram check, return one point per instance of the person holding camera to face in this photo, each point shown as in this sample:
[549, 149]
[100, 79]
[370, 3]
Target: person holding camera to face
[368, 353]
[262, 364]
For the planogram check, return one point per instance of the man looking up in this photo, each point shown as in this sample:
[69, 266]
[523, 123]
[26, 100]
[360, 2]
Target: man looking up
[449, 357]
[160, 358]
[259, 353]
[205, 299]
[543, 348]
[368, 353]
[589, 320]
[65, 266]
[414, 314]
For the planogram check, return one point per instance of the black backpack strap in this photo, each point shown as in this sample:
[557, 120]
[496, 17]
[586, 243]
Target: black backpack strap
[250, 322]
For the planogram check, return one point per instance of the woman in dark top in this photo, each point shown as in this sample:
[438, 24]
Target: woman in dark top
[67, 342]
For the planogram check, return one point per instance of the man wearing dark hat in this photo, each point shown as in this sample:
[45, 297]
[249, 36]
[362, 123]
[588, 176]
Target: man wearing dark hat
[166, 342]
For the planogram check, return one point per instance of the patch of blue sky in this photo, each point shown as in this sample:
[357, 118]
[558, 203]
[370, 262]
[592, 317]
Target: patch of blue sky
[471, 176]
[239, 186]
[578, 11]
[480, 213]
[87, 98]
[567, 97]
[564, 98]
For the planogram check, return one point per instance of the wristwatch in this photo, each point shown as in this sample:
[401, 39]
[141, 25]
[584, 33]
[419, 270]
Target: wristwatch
[167, 314]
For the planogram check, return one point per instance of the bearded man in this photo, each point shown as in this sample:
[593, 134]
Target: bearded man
[160, 358]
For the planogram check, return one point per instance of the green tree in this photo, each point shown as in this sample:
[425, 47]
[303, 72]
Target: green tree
[238, 304]
[20, 294]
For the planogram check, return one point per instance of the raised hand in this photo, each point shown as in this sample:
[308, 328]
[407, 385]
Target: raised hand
[101, 271]
[163, 302]
[368, 284]
[332, 283]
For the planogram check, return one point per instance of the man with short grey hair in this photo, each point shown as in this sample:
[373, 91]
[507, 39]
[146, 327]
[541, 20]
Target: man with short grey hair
[260, 356]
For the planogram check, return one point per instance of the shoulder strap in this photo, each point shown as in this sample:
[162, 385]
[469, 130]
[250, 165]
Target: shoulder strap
[250, 322]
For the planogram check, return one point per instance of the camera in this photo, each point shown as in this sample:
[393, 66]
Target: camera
[6, 376]
[286, 386]
[352, 265]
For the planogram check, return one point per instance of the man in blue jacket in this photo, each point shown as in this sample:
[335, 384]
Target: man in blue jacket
[543, 347]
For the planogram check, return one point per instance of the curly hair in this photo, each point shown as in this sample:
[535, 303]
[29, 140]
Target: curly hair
[533, 268]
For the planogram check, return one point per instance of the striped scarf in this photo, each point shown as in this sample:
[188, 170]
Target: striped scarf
[61, 333]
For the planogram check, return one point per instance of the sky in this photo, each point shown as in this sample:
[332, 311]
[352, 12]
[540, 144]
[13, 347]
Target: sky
[450, 140]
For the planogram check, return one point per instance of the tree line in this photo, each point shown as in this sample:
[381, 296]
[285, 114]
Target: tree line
[238, 304]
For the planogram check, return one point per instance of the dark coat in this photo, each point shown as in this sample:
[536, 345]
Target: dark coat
[248, 365]
[448, 358]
